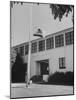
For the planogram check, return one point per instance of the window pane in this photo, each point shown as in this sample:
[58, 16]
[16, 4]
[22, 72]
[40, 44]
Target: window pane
[22, 50]
[62, 62]
[50, 43]
[16, 49]
[42, 45]
[69, 38]
[26, 49]
[34, 47]
[59, 40]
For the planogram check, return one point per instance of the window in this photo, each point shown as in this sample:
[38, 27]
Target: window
[16, 49]
[59, 40]
[69, 38]
[50, 43]
[26, 49]
[22, 50]
[34, 47]
[42, 45]
[62, 63]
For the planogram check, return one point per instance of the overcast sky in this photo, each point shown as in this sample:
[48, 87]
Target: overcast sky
[41, 17]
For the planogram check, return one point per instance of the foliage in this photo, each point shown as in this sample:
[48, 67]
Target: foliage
[62, 78]
[37, 78]
[60, 10]
[18, 70]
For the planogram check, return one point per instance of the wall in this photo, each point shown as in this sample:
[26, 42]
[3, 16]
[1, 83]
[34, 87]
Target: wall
[53, 55]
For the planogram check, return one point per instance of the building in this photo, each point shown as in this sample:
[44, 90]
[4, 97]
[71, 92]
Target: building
[52, 53]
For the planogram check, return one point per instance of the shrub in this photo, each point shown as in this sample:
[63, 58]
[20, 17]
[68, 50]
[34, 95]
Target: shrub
[62, 78]
[36, 78]
[56, 77]
[69, 78]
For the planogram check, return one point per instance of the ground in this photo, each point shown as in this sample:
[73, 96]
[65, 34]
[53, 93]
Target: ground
[20, 90]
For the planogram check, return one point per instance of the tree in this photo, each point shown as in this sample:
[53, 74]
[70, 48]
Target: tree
[18, 70]
[59, 10]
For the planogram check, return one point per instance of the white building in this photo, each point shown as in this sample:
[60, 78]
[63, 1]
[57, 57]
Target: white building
[53, 53]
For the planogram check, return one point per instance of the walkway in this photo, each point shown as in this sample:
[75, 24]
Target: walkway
[20, 90]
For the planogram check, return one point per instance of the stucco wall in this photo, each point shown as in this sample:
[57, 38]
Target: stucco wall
[53, 55]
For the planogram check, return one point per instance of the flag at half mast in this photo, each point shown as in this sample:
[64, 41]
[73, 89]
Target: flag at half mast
[38, 33]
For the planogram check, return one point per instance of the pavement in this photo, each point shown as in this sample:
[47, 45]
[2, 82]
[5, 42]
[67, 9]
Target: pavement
[38, 90]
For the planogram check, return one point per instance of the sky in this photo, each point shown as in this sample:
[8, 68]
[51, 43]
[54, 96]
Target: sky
[26, 18]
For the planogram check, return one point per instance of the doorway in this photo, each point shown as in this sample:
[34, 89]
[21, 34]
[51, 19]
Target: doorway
[43, 67]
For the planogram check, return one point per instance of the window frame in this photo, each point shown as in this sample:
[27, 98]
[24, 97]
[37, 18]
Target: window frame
[21, 50]
[50, 43]
[69, 38]
[62, 63]
[26, 49]
[34, 47]
[59, 40]
[16, 49]
[41, 45]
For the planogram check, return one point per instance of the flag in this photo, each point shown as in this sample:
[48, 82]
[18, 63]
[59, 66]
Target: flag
[38, 33]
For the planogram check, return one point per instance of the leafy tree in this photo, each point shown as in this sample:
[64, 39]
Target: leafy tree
[18, 70]
[59, 10]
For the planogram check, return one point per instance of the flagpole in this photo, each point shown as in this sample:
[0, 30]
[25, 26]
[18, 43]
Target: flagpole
[29, 53]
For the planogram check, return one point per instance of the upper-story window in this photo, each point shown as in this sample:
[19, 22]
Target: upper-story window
[69, 38]
[42, 45]
[59, 40]
[26, 49]
[22, 50]
[16, 49]
[34, 47]
[50, 43]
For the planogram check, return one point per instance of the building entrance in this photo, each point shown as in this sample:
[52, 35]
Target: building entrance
[44, 67]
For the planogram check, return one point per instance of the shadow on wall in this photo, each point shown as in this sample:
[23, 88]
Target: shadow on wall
[18, 71]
